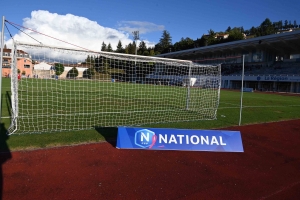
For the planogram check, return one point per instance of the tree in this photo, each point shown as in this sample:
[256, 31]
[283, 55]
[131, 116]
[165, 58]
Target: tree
[120, 48]
[247, 32]
[157, 49]
[184, 43]
[102, 65]
[165, 43]
[142, 48]
[146, 53]
[166, 39]
[275, 25]
[285, 24]
[130, 48]
[280, 25]
[235, 34]
[201, 42]
[151, 51]
[98, 64]
[103, 47]
[266, 27]
[106, 68]
[211, 37]
[109, 48]
[252, 30]
[89, 73]
[73, 73]
[90, 60]
[242, 29]
[228, 29]
[59, 68]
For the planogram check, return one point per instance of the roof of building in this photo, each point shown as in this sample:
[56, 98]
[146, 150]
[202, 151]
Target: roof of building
[9, 51]
[46, 66]
[42, 66]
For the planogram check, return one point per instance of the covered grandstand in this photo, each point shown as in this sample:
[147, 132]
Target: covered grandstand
[271, 63]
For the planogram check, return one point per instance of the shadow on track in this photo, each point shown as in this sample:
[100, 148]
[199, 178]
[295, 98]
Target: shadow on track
[5, 154]
[109, 133]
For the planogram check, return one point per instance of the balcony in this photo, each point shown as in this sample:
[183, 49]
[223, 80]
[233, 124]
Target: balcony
[6, 66]
[19, 55]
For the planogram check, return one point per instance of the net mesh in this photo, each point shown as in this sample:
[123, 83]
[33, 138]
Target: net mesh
[70, 89]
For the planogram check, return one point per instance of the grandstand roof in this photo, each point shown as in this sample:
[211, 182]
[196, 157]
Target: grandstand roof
[282, 43]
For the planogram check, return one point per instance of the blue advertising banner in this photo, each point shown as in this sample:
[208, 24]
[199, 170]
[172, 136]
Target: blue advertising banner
[179, 139]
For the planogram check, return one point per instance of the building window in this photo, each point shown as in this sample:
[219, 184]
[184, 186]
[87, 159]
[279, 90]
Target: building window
[26, 66]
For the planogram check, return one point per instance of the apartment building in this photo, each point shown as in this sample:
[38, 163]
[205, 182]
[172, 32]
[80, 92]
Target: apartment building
[24, 63]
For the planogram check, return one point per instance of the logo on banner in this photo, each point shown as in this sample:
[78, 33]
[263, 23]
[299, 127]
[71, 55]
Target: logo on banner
[179, 139]
[145, 138]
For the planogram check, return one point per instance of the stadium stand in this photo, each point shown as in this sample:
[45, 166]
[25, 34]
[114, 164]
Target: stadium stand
[271, 63]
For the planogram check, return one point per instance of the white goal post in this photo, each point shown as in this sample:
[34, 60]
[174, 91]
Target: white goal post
[66, 89]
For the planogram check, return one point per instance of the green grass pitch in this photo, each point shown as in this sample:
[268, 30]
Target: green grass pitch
[257, 108]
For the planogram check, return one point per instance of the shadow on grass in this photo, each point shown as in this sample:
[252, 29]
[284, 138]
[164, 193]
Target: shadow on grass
[5, 154]
[8, 101]
[109, 133]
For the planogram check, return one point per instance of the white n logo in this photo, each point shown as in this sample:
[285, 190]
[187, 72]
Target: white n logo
[146, 137]
[143, 138]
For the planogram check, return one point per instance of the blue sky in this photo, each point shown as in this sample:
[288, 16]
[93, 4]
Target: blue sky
[111, 20]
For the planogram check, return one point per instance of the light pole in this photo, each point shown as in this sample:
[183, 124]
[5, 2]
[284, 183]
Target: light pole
[136, 37]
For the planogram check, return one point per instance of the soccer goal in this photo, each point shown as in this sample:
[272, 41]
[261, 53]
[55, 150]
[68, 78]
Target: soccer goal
[70, 89]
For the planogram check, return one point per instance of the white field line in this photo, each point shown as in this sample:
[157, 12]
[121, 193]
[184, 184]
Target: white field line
[95, 113]
[281, 100]
[6, 117]
[260, 106]
[270, 106]
[234, 104]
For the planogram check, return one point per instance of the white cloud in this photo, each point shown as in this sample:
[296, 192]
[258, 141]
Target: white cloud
[76, 30]
[70, 28]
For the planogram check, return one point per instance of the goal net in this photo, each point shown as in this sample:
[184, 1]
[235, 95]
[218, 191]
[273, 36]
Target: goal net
[69, 89]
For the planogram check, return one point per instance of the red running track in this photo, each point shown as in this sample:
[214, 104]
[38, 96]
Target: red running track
[268, 169]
